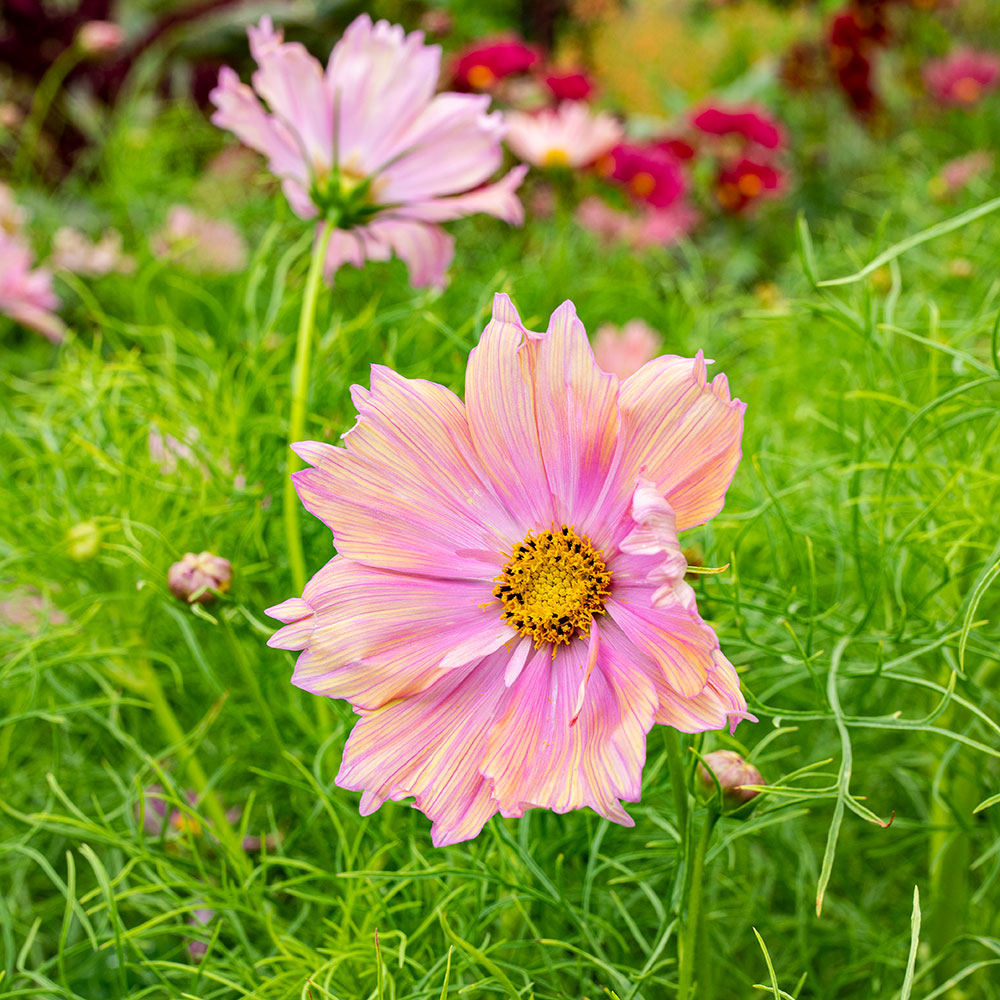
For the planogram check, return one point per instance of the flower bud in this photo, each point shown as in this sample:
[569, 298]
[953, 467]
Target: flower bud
[83, 540]
[195, 578]
[733, 773]
[99, 38]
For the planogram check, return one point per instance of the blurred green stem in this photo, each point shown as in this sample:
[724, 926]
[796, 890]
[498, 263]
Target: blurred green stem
[300, 397]
[691, 915]
[44, 96]
[187, 763]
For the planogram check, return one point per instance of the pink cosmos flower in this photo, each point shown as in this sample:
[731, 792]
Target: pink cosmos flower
[750, 124]
[956, 174]
[367, 144]
[964, 77]
[742, 185]
[26, 296]
[75, 252]
[200, 244]
[487, 61]
[649, 173]
[624, 351]
[650, 227]
[572, 86]
[568, 136]
[507, 611]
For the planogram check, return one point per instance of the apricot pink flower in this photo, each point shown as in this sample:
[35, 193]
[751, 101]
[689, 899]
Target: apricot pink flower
[26, 295]
[368, 146]
[570, 135]
[964, 77]
[507, 611]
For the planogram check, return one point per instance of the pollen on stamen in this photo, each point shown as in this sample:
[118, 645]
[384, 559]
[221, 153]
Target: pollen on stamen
[552, 585]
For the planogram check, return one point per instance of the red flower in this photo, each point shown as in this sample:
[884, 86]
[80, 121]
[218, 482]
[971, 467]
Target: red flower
[752, 124]
[650, 174]
[679, 149]
[490, 60]
[575, 86]
[742, 184]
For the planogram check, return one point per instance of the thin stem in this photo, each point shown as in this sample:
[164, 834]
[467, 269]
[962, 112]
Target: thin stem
[300, 397]
[187, 763]
[678, 782]
[691, 911]
[44, 96]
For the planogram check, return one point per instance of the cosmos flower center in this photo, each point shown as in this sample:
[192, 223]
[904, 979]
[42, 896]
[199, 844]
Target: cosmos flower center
[552, 585]
[555, 158]
[643, 184]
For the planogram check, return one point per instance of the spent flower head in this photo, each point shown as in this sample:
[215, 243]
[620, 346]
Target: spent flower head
[507, 611]
[196, 578]
[366, 145]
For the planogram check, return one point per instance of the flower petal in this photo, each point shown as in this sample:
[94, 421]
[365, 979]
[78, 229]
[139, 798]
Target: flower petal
[500, 399]
[496, 199]
[721, 703]
[406, 493]
[426, 250]
[682, 434]
[538, 755]
[372, 636]
[430, 746]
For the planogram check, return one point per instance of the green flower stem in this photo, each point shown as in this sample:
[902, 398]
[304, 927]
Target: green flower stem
[691, 913]
[188, 763]
[300, 397]
[44, 96]
[678, 783]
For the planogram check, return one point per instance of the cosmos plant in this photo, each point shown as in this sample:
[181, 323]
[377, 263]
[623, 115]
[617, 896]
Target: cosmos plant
[507, 612]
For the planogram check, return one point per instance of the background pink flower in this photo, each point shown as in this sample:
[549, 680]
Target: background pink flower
[26, 295]
[200, 244]
[487, 61]
[751, 124]
[624, 351]
[368, 146]
[964, 77]
[507, 611]
[568, 136]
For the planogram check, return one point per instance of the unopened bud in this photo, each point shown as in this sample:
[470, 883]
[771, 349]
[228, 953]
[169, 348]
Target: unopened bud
[83, 540]
[196, 577]
[733, 774]
[99, 38]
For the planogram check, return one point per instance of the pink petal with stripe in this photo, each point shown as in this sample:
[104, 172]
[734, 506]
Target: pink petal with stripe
[407, 492]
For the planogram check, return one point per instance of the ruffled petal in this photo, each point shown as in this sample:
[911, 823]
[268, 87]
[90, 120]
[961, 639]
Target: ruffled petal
[239, 111]
[682, 434]
[496, 199]
[500, 399]
[426, 250]
[406, 493]
[380, 80]
[372, 636]
[454, 145]
[721, 703]
[545, 750]
[292, 83]
[431, 746]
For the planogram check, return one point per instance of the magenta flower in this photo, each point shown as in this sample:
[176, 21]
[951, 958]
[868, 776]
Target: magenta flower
[569, 86]
[26, 295]
[964, 77]
[507, 611]
[570, 135]
[649, 173]
[742, 185]
[489, 60]
[368, 146]
[752, 125]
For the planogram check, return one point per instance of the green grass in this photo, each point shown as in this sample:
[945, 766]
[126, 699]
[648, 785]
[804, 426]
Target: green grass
[860, 606]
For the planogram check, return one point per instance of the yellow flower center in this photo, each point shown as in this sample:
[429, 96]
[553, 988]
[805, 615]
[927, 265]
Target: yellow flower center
[481, 77]
[555, 158]
[552, 585]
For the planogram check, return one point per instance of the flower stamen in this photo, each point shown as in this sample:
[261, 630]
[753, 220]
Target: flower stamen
[552, 586]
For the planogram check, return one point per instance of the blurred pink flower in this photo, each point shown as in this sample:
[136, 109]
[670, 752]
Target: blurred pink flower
[168, 452]
[752, 125]
[964, 77]
[624, 351]
[26, 609]
[647, 228]
[369, 146]
[200, 244]
[649, 173]
[26, 296]
[72, 251]
[196, 578]
[484, 63]
[507, 611]
[570, 135]
[956, 174]
[572, 86]
[99, 38]
[200, 916]
[742, 185]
